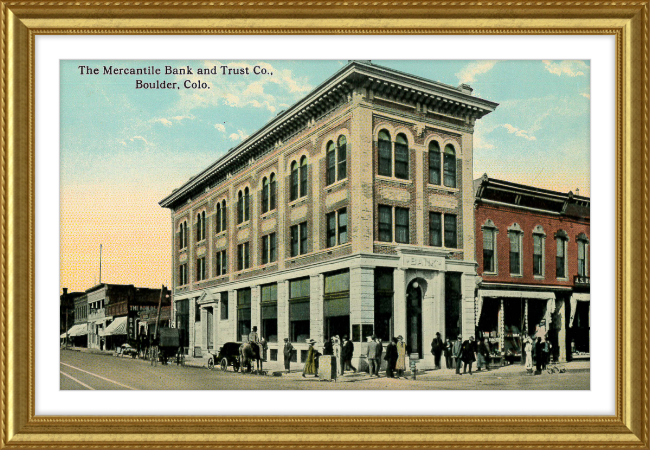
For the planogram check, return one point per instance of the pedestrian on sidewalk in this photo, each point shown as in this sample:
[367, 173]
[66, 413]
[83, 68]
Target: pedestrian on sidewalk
[468, 354]
[456, 353]
[287, 351]
[310, 363]
[446, 351]
[347, 350]
[400, 363]
[336, 345]
[380, 353]
[528, 349]
[546, 352]
[328, 348]
[371, 354]
[539, 356]
[391, 358]
[436, 349]
[483, 356]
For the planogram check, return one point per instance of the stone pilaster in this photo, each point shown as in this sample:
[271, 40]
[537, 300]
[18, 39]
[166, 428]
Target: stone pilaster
[192, 330]
[468, 284]
[232, 314]
[256, 320]
[467, 189]
[562, 311]
[316, 308]
[399, 303]
[283, 311]
[203, 342]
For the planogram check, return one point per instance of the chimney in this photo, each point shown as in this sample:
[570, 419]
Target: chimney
[65, 291]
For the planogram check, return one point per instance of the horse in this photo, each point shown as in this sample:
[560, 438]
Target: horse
[248, 352]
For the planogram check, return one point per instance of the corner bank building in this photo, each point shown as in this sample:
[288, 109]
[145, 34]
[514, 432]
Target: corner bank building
[350, 213]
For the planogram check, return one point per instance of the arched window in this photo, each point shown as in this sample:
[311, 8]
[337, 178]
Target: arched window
[272, 193]
[450, 166]
[401, 157]
[343, 158]
[331, 163]
[384, 147]
[240, 207]
[265, 195]
[303, 176]
[224, 219]
[247, 204]
[434, 163]
[217, 220]
[198, 227]
[293, 182]
[182, 235]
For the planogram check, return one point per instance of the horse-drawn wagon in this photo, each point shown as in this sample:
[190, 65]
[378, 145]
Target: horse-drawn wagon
[238, 355]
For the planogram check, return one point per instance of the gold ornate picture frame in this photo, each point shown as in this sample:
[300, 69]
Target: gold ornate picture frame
[22, 21]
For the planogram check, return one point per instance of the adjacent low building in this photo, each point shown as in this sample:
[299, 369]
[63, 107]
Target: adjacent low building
[350, 213]
[532, 250]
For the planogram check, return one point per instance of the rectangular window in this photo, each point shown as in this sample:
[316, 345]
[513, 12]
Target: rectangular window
[243, 256]
[294, 240]
[273, 252]
[303, 238]
[224, 306]
[343, 226]
[243, 314]
[435, 229]
[299, 313]
[515, 254]
[200, 269]
[270, 312]
[402, 225]
[401, 161]
[582, 258]
[560, 259]
[331, 167]
[451, 239]
[385, 157]
[222, 264]
[265, 249]
[182, 274]
[342, 170]
[337, 303]
[331, 229]
[197, 312]
[538, 256]
[385, 223]
[488, 250]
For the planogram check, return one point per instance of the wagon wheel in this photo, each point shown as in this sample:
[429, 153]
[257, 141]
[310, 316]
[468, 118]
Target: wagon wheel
[211, 363]
[224, 364]
[235, 365]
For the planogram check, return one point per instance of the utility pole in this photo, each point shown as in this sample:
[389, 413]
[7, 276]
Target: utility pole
[154, 359]
[100, 263]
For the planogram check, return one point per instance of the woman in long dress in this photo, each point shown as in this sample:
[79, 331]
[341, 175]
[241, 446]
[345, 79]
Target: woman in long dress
[310, 363]
[528, 348]
[400, 365]
[337, 354]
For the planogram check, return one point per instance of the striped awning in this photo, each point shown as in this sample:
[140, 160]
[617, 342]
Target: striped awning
[77, 330]
[118, 326]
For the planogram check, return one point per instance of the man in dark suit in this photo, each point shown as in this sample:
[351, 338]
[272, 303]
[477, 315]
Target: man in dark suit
[436, 349]
[391, 358]
[346, 354]
[288, 349]
[468, 354]
[455, 353]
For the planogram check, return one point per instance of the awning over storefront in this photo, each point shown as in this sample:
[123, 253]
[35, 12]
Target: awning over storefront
[77, 330]
[117, 327]
[543, 295]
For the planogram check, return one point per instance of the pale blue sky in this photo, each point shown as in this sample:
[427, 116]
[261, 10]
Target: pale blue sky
[123, 150]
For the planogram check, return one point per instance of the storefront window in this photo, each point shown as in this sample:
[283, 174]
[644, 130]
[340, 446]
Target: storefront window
[299, 313]
[270, 312]
[337, 304]
[453, 300]
[384, 302]
[183, 321]
[224, 306]
[243, 314]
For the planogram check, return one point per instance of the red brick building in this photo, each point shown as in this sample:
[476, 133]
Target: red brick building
[532, 250]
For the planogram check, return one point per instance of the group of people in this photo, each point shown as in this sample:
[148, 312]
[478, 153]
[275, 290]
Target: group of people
[540, 351]
[461, 353]
[395, 356]
[341, 349]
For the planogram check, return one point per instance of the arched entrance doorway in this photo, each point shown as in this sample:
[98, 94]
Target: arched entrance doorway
[414, 318]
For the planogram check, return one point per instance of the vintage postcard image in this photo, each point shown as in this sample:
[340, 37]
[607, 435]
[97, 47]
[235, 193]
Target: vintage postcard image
[325, 224]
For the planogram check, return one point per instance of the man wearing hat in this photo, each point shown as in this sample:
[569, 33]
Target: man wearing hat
[288, 349]
[253, 336]
[455, 353]
[347, 350]
[400, 364]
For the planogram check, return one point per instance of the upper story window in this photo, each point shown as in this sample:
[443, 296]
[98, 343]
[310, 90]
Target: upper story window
[561, 240]
[583, 248]
[243, 256]
[299, 239]
[337, 155]
[515, 235]
[400, 153]
[451, 234]
[449, 170]
[489, 247]
[269, 196]
[182, 274]
[182, 235]
[539, 240]
[434, 163]
[200, 226]
[220, 219]
[269, 248]
[221, 263]
[200, 269]
[303, 176]
[401, 222]
[243, 206]
[293, 181]
[337, 230]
